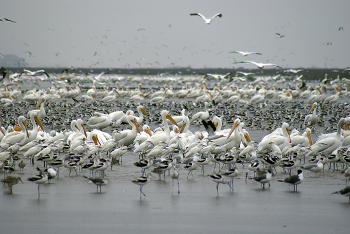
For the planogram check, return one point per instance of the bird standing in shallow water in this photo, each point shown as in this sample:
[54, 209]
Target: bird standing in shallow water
[141, 181]
[263, 179]
[345, 192]
[11, 180]
[294, 179]
[219, 179]
[175, 176]
[39, 179]
[98, 181]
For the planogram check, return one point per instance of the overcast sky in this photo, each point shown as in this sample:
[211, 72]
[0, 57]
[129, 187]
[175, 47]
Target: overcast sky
[161, 33]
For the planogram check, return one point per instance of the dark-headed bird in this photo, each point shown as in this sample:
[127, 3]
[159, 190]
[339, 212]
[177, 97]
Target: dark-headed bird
[294, 179]
[345, 192]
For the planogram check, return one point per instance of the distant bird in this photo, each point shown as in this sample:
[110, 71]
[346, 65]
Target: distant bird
[261, 65]
[292, 71]
[315, 167]
[141, 181]
[264, 178]
[244, 53]
[294, 179]
[6, 19]
[340, 28]
[39, 179]
[21, 166]
[207, 20]
[219, 179]
[279, 35]
[11, 180]
[345, 192]
[175, 176]
[98, 181]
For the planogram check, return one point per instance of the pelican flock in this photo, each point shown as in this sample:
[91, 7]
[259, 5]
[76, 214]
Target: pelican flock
[262, 129]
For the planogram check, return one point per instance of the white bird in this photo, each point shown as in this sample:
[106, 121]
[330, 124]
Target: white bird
[328, 145]
[127, 136]
[16, 137]
[245, 53]
[311, 119]
[207, 20]
[203, 115]
[260, 65]
[99, 120]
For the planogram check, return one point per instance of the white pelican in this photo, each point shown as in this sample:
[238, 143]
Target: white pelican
[159, 136]
[33, 134]
[16, 137]
[127, 137]
[99, 120]
[159, 98]
[207, 20]
[333, 98]
[41, 112]
[280, 140]
[203, 115]
[244, 53]
[311, 119]
[141, 110]
[304, 140]
[328, 145]
[260, 65]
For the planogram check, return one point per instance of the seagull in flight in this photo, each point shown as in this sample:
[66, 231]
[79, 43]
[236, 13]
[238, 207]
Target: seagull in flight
[207, 20]
[244, 53]
[279, 35]
[261, 65]
[6, 19]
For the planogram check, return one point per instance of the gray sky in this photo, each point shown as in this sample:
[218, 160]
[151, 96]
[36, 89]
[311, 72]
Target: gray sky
[158, 33]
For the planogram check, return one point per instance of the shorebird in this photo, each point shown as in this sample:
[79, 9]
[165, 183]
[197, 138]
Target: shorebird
[207, 20]
[279, 35]
[11, 180]
[21, 166]
[315, 167]
[345, 192]
[39, 179]
[175, 176]
[264, 178]
[98, 181]
[219, 179]
[294, 179]
[245, 53]
[141, 181]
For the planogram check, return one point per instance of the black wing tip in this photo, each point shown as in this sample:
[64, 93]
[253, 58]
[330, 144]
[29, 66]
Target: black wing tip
[193, 13]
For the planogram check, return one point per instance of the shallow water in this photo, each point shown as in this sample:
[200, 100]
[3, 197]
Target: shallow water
[71, 204]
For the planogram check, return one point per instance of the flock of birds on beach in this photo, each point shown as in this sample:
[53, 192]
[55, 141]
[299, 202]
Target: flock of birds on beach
[173, 128]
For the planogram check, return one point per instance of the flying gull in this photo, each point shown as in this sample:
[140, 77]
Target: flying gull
[207, 20]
